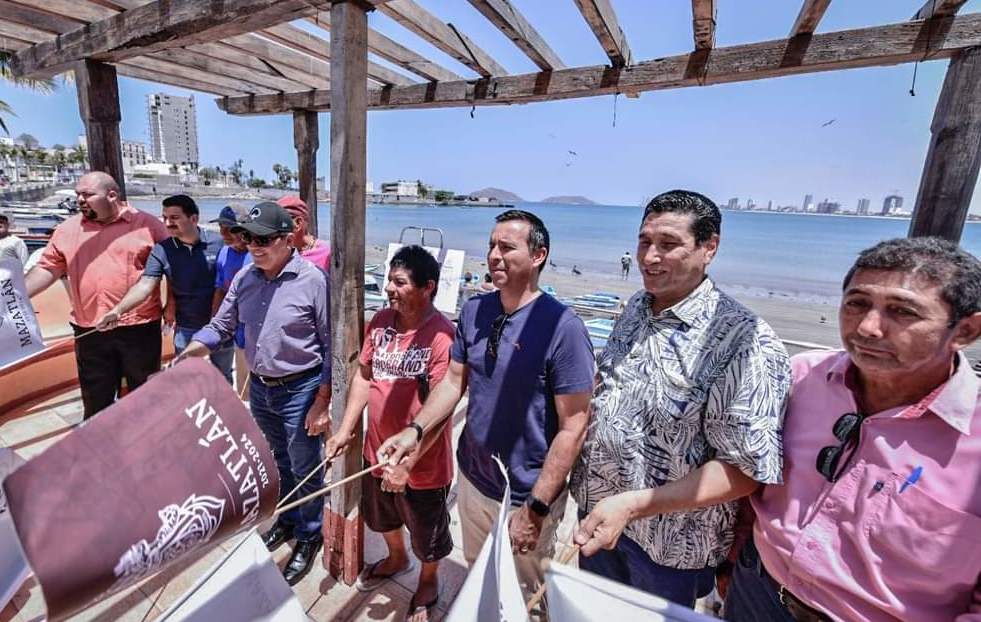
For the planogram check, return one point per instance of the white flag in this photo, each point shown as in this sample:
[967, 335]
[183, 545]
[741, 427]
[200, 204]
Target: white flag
[245, 585]
[20, 336]
[575, 595]
[13, 565]
[491, 592]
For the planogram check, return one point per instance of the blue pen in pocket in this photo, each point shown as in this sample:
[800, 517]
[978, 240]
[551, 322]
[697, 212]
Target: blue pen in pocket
[914, 476]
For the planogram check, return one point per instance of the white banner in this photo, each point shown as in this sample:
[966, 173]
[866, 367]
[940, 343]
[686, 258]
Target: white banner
[491, 592]
[20, 336]
[448, 292]
[13, 566]
[245, 585]
[578, 596]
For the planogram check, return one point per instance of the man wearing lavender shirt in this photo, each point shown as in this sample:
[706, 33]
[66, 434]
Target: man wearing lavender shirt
[283, 302]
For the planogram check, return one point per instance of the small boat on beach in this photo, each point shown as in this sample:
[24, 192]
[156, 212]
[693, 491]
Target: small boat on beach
[599, 331]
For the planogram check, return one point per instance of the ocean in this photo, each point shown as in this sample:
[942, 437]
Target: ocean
[762, 253]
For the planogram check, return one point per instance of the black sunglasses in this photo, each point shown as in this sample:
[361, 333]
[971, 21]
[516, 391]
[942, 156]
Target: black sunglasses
[497, 331]
[846, 430]
[260, 240]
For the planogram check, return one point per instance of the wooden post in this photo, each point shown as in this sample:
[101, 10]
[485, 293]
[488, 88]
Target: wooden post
[348, 170]
[98, 104]
[951, 169]
[306, 141]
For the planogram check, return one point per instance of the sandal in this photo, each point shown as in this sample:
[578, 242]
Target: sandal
[368, 580]
[414, 608]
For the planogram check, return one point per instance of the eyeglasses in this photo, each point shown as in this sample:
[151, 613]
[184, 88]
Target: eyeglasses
[846, 430]
[497, 331]
[259, 240]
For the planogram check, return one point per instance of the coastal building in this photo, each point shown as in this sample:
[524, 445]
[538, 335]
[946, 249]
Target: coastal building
[828, 207]
[134, 154]
[808, 203]
[400, 188]
[863, 207]
[733, 203]
[769, 205]
[173, 129]
[891, 203]
[750, 204]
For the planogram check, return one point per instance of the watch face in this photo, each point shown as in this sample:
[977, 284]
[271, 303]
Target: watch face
[538, 506]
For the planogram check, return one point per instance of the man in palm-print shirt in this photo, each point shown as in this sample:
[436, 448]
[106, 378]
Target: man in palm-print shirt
[687, 415]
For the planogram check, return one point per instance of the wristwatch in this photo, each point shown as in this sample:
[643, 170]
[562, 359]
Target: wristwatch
[418, 428]
[537, 506]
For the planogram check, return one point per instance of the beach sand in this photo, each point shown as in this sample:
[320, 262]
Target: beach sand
[793, 319]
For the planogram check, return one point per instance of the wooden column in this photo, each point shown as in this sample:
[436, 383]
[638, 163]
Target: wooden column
[348, 169]
[98, 104]
[306, 141]
[951, 169]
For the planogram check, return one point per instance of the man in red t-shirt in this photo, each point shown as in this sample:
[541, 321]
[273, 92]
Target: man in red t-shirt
[406, 352]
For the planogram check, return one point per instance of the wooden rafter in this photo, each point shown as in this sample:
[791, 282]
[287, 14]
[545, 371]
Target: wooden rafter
[864, 47]
[40, 19]
[603, 21]
[133, 69]
[396, 53]
[703, 23]
[810, 15]
[304, 42]
[169, 67]
[159, 25]
[444, 36]
[512, 23]
[288, 62]
[201, 62]
[939, 8]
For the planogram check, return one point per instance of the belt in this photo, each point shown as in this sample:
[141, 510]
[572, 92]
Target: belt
[798, 609]
[270, 381]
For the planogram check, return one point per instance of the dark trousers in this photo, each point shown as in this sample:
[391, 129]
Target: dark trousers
[280, 412]
[629, 564]
[752, 596]
[105, 358]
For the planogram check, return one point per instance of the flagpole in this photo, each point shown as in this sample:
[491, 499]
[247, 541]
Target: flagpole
[323, 491]
[563, 559]
[304, 480]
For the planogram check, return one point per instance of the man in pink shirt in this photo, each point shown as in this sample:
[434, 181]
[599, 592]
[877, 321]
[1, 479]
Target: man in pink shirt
[312, 249]
[103, 250]
[879, 517]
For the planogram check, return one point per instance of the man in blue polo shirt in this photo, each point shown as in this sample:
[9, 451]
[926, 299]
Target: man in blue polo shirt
[528, 362]
[187, 259]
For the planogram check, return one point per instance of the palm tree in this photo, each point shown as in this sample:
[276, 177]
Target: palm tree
[44, 86]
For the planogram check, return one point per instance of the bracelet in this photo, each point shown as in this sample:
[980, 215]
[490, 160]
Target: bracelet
[418, 428]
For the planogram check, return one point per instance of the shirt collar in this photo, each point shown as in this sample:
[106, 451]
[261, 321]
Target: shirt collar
[955, 402]
[202, 240]
[691, 309]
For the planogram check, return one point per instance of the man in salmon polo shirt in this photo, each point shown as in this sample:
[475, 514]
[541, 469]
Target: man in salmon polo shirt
[103, 250]
[314, 250]
[406, 352]
[879, 517]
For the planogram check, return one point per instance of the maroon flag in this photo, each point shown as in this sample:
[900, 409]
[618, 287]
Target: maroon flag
[176, 466]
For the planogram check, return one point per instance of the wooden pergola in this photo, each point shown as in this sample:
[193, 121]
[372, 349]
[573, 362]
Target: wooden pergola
[250, 54]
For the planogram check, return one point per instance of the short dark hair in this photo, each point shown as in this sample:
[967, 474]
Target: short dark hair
[706, 217]
[4, 219]
[956, 271]
[537, 233]
[420, 264]
[184, 202]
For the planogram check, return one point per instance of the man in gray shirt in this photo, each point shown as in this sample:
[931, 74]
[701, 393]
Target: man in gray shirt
[283, 303]
[11, 246]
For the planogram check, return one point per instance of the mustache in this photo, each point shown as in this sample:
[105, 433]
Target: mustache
[869, 344]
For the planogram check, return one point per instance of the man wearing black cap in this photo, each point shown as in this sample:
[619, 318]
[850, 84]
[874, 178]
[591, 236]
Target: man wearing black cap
[188, 260]
[283, 302]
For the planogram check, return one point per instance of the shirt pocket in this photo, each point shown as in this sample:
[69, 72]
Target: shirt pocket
[927, 545]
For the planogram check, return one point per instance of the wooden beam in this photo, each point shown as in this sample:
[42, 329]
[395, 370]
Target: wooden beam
[444, 36]
[289, 62]
[98, 105]
[810, 15]
[76, 9]
[22, 32]
[348, 172]
[52, 23]
[703, 23]
[169, 67]
[248, 77]
[159, 25]
[864, 47]
[234, 55]
[939, 8]
[126, 68]
[303, 41]
[603, 21]
[306, 140]
[396, 53]
[950, 172]
[512, 23]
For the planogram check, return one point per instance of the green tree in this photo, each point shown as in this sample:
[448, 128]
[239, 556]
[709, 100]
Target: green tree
[443, 195]
[235, 170]
[283, 176]
[208, 174]
[257, 182]
[421, 188]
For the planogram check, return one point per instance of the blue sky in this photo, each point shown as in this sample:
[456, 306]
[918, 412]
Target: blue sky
[762, 140]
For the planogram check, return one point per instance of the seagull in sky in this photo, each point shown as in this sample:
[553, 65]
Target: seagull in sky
[828, 123]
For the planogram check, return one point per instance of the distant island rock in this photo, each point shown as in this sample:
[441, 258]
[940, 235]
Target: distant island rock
[569, 200]
[496, 193]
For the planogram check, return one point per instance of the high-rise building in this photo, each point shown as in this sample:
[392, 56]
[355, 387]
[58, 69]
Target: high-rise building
[891, 203]
[808, 202]
[863, 207]
[828, 207]
[750, 204]
[733, 203]
[769, 205]
[173, 129]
